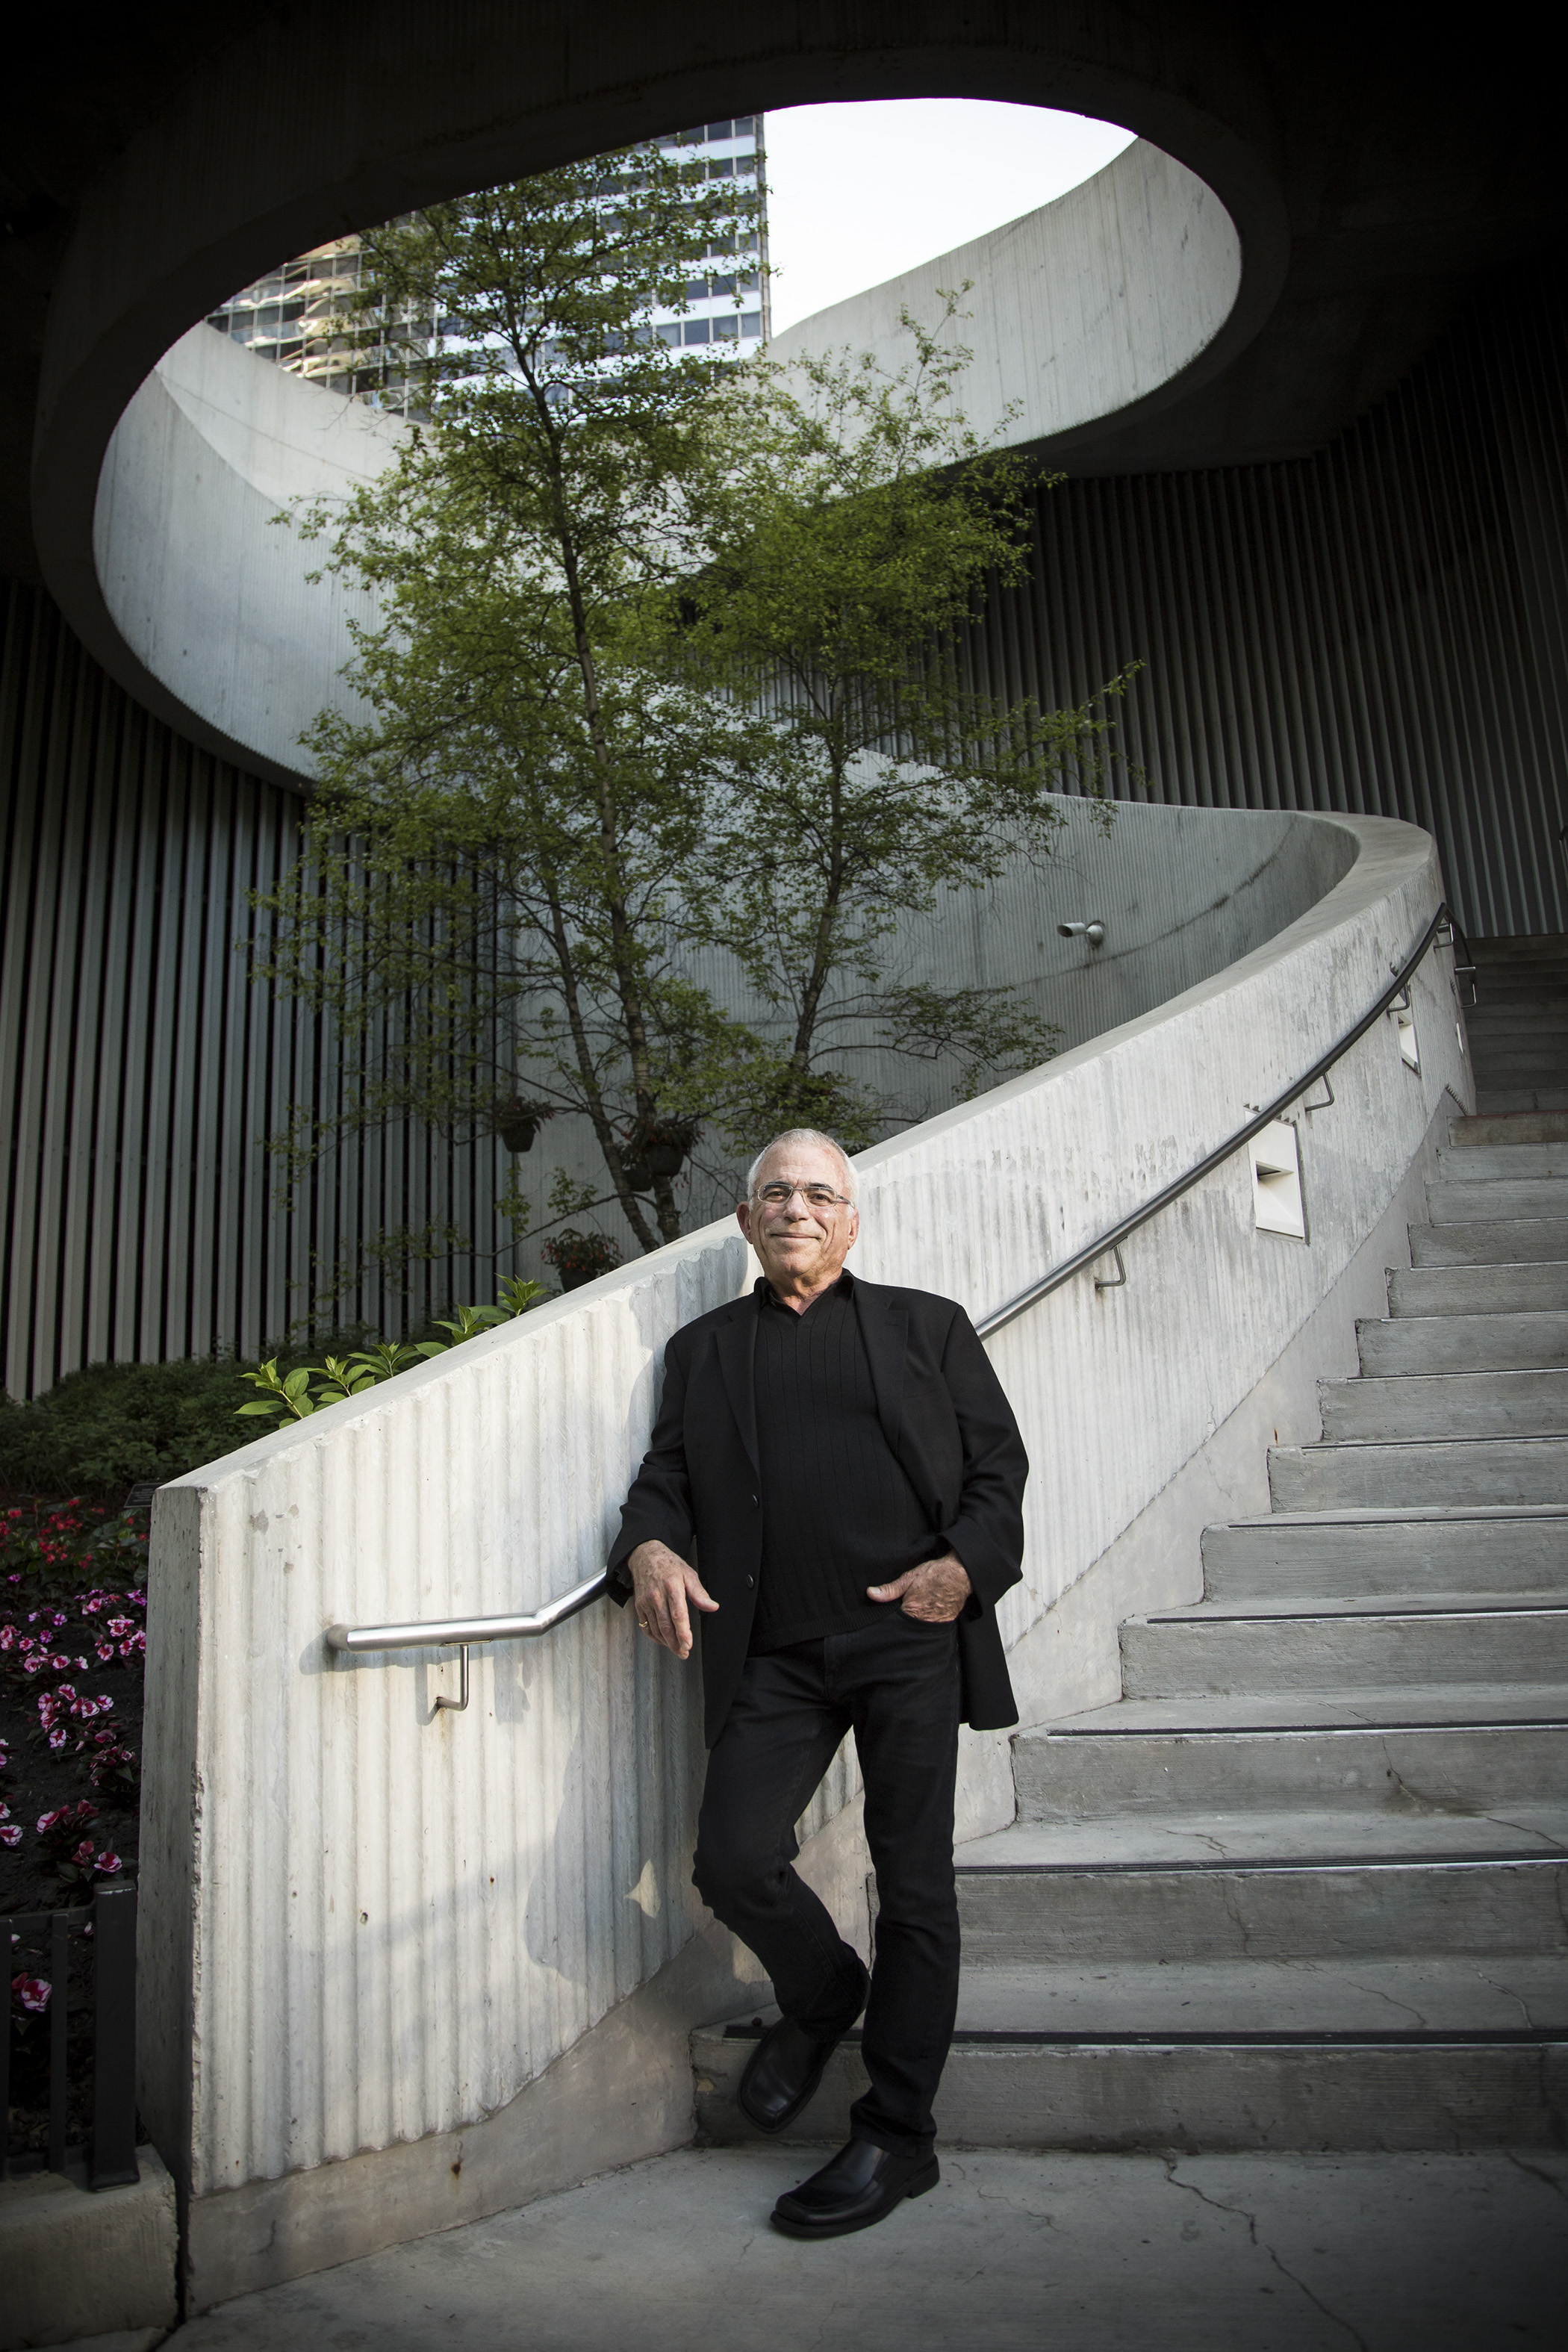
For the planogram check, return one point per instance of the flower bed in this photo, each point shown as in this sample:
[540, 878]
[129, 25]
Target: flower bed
[73, 1608]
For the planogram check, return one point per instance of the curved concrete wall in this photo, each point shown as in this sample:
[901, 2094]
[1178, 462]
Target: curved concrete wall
[368, 1928]
[1093, 305]
[211, 594]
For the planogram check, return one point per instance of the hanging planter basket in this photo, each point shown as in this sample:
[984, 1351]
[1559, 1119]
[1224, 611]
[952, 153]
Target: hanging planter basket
[518, 1122]
[656, 1146]
[580, 1257]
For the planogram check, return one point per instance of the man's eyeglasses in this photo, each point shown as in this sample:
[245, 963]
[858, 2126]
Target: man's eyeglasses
[816, 1196]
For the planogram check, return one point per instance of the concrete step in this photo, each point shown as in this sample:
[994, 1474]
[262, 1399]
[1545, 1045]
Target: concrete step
[1286, 1840]
[1392, 1348]
[1506, 1552]
[1500, 1240]
[1430, 1291]
[1507, 1101]
[1481, 1163]
[1523, 1004]
[1450, 1992]
[1454, 1203]
[1456, 1752]
[1444, 1470]
[1062, 2088]
[1016, 1914]
[1530, 1063]
[1532, 1403]
[1205, 1650]
[1283, 1604]
[1516, 1127]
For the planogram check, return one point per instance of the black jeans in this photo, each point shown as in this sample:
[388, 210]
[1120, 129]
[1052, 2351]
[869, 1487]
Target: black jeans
[896, 1686]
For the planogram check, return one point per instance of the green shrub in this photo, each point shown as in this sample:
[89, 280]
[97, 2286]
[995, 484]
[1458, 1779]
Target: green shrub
[112, 1426]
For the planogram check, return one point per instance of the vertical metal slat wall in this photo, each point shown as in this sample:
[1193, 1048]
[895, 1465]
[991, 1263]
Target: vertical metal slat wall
[1378, 628]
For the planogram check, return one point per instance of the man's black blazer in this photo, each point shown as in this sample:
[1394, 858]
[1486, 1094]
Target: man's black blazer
[945, 1417]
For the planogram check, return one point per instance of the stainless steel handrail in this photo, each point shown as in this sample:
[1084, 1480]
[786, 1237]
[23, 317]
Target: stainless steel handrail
[443, 1632]
[1115, 1235]
[446, 1633]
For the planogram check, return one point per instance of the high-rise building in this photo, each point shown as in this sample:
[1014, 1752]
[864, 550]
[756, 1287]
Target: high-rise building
[728, 302]
[296, 314]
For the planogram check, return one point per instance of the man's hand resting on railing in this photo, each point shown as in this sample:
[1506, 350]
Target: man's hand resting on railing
[663, 1585]
[936, 1592]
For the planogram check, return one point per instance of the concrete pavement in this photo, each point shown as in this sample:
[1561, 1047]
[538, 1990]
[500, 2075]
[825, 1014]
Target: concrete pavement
[1238, 2253]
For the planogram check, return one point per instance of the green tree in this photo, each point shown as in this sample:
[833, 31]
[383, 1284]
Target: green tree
[495, 897]
[854, 522]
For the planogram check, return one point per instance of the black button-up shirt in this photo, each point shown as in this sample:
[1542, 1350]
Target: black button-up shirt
[839, 1510]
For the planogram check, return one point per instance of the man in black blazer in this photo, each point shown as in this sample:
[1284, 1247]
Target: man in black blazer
[838, 1459]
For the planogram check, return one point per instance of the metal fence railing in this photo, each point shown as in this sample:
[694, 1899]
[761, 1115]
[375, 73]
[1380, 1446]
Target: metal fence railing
[70, 2020]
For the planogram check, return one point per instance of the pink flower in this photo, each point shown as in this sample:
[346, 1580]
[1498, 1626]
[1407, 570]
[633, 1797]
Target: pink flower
[10, 1833]
[108, 1863]
[33, 1992]
[57, 1737]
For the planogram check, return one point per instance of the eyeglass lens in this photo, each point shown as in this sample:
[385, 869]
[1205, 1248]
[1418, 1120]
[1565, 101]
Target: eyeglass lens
[817, 1196]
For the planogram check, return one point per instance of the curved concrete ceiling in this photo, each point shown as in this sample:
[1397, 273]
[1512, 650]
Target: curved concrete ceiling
[167, 155]
[1092, 307]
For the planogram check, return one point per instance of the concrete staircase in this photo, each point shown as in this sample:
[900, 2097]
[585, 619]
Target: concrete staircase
[1517, 1027]
[1306, 1884]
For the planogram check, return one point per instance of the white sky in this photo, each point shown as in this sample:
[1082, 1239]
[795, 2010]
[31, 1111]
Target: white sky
[857, 193]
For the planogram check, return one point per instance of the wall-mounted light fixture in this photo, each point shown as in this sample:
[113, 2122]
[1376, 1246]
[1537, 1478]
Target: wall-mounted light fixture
[1094, 932]
[1277, 1206]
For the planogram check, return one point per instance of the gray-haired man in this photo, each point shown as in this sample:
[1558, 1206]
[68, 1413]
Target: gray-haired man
[840, 1461]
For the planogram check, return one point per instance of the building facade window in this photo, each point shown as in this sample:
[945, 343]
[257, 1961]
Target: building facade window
[295, 316]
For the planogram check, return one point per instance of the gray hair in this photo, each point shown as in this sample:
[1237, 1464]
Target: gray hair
[803, 1135]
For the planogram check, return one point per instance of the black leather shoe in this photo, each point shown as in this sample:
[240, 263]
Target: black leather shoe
[782, 2072]
[858, 2186]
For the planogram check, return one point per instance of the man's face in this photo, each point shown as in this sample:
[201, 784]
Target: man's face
[797, 1244]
